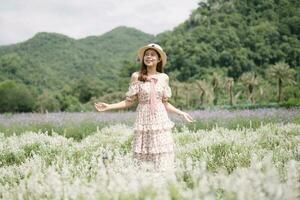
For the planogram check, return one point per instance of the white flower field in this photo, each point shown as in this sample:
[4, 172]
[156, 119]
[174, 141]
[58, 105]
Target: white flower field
[217, 163]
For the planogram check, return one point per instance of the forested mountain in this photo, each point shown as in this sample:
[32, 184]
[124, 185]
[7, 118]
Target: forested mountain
[51, 60]
[237, 35]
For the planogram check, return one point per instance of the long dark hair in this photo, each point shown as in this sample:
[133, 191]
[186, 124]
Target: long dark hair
[143, 75]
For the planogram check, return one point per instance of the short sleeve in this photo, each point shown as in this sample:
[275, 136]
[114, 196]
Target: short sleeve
[167, 92]
[133, 90]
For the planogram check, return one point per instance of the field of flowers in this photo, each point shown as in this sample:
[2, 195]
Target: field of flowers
[245, 154]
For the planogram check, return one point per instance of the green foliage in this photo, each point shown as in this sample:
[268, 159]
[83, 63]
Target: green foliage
[47, 102]
[15, 97]
[242, 38]
[292, 102]
[228, 155]
[87, 87]
[238, 35]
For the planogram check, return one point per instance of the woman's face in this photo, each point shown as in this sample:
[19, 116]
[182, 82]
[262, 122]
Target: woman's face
[151, 57]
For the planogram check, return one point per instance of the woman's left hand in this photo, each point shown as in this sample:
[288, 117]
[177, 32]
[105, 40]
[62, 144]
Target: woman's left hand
[187, 117]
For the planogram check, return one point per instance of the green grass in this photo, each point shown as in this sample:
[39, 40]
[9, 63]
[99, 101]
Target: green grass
[77, 131]
[81, 130]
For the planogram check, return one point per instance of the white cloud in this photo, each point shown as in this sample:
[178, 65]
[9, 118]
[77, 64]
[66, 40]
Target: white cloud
[20, 20]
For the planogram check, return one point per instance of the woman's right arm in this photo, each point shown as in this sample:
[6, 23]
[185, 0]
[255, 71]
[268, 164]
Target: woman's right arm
[101, 106]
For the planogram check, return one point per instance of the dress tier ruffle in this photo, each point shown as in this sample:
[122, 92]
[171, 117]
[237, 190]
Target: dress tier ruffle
[152, 133]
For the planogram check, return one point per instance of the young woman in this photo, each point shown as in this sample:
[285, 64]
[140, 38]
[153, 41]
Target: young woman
[153, 140]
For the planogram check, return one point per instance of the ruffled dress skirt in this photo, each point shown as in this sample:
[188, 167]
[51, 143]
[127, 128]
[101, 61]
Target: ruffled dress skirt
[153, 142]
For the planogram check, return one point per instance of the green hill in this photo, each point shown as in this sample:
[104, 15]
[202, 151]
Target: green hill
[51, 60]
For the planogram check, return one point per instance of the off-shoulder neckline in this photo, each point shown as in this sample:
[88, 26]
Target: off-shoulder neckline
[159, 73]
[154, 75]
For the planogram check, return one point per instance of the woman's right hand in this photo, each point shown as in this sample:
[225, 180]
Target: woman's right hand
[101, 106]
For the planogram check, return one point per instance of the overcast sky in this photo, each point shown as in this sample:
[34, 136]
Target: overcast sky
[21, 19]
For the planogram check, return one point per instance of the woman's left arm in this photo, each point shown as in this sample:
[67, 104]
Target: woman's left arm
[170, 108]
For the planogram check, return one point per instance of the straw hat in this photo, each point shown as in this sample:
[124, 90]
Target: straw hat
[158, 48]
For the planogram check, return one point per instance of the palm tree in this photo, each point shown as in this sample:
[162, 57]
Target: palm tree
[229, 86]
[205, 90]
[216, 83]
[175, 85]
[236, 96]
[201, 86]
[282, 72]
[186, 87]
[250, 80]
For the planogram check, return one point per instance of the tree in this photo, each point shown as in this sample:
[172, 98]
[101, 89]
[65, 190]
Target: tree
[175, 86]
[216, 83]
[250, 80]
[15, 97]
[282, 73]
[87, 87]
[229, 86]
[205, 91]
[202, 88]
[47, 102]
[186, 87]
[10, 63]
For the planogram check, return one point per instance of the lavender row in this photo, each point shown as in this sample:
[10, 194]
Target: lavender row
[65, 117]
[61, 118]
[261, 113]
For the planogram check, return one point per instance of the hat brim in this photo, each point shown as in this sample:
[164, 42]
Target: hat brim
[163, 55]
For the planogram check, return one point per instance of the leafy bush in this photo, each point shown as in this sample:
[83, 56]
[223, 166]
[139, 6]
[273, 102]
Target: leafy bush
[15, 97]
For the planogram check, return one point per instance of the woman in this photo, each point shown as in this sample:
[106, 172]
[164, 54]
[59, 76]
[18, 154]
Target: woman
[153, 140]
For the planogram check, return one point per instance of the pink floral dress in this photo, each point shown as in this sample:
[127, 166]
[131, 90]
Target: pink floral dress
[153, 140]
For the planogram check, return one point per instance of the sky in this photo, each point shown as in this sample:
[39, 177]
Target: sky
[22, 19]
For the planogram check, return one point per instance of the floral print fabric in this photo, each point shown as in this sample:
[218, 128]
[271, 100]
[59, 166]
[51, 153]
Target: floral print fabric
[153, 140]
